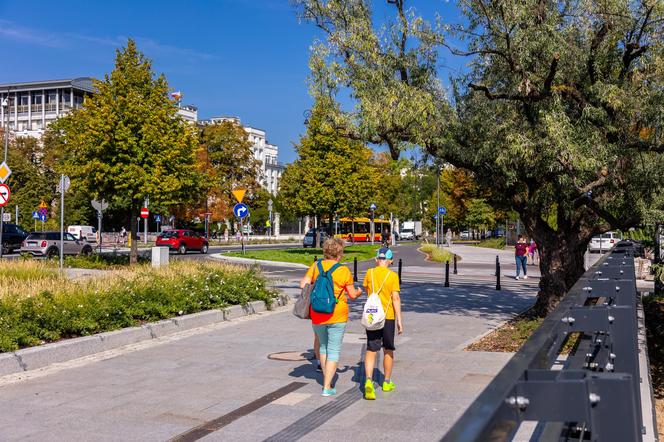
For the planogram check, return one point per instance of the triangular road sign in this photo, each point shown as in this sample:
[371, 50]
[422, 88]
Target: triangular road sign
[239, 194]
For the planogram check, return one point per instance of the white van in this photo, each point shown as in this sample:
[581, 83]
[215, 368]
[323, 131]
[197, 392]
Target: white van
[604, 242]
[87, 233]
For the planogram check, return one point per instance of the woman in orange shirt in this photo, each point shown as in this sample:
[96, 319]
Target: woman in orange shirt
[330, 327]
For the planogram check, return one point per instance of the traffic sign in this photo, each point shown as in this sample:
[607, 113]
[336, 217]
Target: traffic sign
[241, 210]
[99, 206]
[157, 218]
[5, 171]
[239, 195]
[64, 183]
[7, 217]
[373, 206]
[42, 217]
[35, 215]
[442, 210]
[4, 194]
[145, 212]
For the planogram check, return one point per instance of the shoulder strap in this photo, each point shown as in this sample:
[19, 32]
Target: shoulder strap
[384, 281]
[333, 268]
[373, 289]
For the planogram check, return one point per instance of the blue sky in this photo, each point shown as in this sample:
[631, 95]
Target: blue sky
[246, 58]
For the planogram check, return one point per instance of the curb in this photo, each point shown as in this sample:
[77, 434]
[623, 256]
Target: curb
[233, 259]
[32, 358]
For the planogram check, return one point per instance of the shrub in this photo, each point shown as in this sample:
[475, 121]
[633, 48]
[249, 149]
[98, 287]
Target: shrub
[436, 254]
[32, 316]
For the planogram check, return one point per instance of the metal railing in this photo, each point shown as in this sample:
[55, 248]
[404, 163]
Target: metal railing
[596, 394]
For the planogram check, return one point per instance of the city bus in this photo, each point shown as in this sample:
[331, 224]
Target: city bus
[359, 229]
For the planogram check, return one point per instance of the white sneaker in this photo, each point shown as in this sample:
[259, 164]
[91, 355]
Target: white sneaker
[517, 278]
[525, 276]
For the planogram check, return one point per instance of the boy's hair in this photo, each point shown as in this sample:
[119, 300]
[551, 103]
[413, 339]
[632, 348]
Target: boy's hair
[333, 248]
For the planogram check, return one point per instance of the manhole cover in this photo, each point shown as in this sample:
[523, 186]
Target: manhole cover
[291, 356]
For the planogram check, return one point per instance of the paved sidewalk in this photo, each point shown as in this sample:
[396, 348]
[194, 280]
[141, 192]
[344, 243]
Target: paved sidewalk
[221, 377]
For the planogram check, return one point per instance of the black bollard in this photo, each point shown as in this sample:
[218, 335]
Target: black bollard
[497, 274]
[447, 273]
[400, 265]
[455, 264]
[355, 269]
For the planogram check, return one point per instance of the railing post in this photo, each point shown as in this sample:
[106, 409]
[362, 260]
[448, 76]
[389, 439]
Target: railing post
[355, 269]
[447, 273]
[497, 273]
[400, 266]
[455, 265]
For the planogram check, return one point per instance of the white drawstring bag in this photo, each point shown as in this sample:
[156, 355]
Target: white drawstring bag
[373, 315]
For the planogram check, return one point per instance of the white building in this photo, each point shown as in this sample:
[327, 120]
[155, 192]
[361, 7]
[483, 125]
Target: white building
[189, 113]
[264, 152]
[33, 105]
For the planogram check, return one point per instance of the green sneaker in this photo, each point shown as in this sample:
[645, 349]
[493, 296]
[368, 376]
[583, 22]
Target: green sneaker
[389, 386]
[369, 392]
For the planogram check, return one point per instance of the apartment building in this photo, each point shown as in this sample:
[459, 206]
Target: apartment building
[33, 105]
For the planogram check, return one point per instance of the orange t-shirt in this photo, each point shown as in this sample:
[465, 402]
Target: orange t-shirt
[341, 278]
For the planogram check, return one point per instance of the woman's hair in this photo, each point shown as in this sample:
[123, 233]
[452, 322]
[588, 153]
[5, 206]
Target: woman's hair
[333, 248]
[520, 236]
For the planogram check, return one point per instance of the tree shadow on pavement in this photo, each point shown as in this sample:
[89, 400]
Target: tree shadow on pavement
[469, 299]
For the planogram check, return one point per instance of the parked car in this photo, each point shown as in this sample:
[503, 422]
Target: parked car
[182, 240]
[48, 244]
[464, 235]
[309, 239]
[12, 237]
[605, 241]
[87, 233]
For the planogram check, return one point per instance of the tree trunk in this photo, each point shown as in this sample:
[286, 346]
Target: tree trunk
[561, 265]
[133, 223]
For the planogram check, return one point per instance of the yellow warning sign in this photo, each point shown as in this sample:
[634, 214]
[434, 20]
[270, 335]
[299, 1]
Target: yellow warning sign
[5, 171]
[43, 205]
[239, 194]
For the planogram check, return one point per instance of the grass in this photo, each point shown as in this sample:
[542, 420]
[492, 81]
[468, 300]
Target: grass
[306, 256]
[37, 305]
[437, 254]
[492, 243]
[104, 261]
[514, 333]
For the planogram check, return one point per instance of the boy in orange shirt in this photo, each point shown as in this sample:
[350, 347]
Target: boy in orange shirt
[383, 279]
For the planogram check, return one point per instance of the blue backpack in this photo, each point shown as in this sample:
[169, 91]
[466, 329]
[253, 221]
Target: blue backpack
[322, 295]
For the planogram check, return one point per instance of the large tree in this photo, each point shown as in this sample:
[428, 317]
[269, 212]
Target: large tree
[559, 110]
[127, 143]
[332, 175]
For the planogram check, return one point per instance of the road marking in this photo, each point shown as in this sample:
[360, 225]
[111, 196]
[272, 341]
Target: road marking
[217, 424]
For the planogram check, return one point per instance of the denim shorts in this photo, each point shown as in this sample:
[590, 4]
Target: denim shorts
[331, 337]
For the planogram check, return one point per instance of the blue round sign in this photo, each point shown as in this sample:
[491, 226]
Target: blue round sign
[442, 210]
[241, 210]
[35, 215]
[373, 206]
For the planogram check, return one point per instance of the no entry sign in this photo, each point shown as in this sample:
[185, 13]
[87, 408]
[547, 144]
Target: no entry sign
[4, 194]
[145, 212]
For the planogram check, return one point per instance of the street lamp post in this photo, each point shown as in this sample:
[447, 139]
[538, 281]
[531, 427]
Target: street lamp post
[438, 206]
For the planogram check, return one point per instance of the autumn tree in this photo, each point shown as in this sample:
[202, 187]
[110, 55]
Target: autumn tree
[127, 142]
[227, 162]
[560, 106]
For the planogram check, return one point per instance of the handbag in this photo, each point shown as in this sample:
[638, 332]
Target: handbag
[301, 307]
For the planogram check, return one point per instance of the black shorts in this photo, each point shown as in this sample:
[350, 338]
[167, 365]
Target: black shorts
[382, 338]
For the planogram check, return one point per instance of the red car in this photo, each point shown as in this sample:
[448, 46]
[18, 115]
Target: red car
[182, 241]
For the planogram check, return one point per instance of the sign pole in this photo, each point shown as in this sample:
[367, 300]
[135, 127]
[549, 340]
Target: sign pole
[62, 219]
[99, 216]
[442, 229]
[373, 227]
[145, 227]
[16, 218]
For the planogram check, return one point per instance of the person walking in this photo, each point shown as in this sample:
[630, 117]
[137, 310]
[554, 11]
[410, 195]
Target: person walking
[532, 248]
[330, 327]
[448, 237]
[387, 283]
[521, 255]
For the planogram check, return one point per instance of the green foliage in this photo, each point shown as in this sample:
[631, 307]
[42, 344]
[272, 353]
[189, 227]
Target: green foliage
[560, 108]
[101, 262]
[306, 256]
[333, 175]
[127, 142]
[480, 214]
[492, 243]
[84, 309]
[437, 254]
